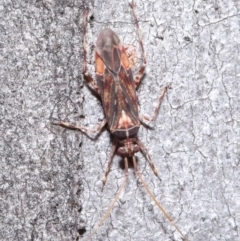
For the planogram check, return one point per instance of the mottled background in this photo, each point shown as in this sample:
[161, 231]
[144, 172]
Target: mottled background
[50, 177]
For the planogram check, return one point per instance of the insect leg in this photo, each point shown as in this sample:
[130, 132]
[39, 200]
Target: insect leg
[154, 198]
[149, 119]
[142, 68]
[87, 76]
[113, 202]
[146, 154]
[110, 161]
[81, 128]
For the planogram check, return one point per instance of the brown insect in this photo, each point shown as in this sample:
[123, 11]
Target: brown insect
[117, 89]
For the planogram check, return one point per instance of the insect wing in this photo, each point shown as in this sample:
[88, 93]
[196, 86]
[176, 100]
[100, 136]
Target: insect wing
[108, 49]
[115, 82]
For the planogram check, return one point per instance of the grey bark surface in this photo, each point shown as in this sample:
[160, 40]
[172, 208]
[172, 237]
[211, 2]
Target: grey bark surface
[50, 177]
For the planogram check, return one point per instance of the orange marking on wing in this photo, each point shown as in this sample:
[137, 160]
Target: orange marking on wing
[100, 66]
[124, 59]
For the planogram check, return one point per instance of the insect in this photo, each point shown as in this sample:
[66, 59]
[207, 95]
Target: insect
[117, 88]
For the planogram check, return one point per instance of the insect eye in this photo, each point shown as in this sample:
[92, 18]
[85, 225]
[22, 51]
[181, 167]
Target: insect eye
[136, 148]
[122, 151]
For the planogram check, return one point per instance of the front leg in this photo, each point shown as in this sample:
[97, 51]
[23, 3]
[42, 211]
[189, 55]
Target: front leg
[114, 146]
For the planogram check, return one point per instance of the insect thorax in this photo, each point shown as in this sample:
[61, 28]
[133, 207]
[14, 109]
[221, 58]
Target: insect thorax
[126, 126]
[126, 133]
